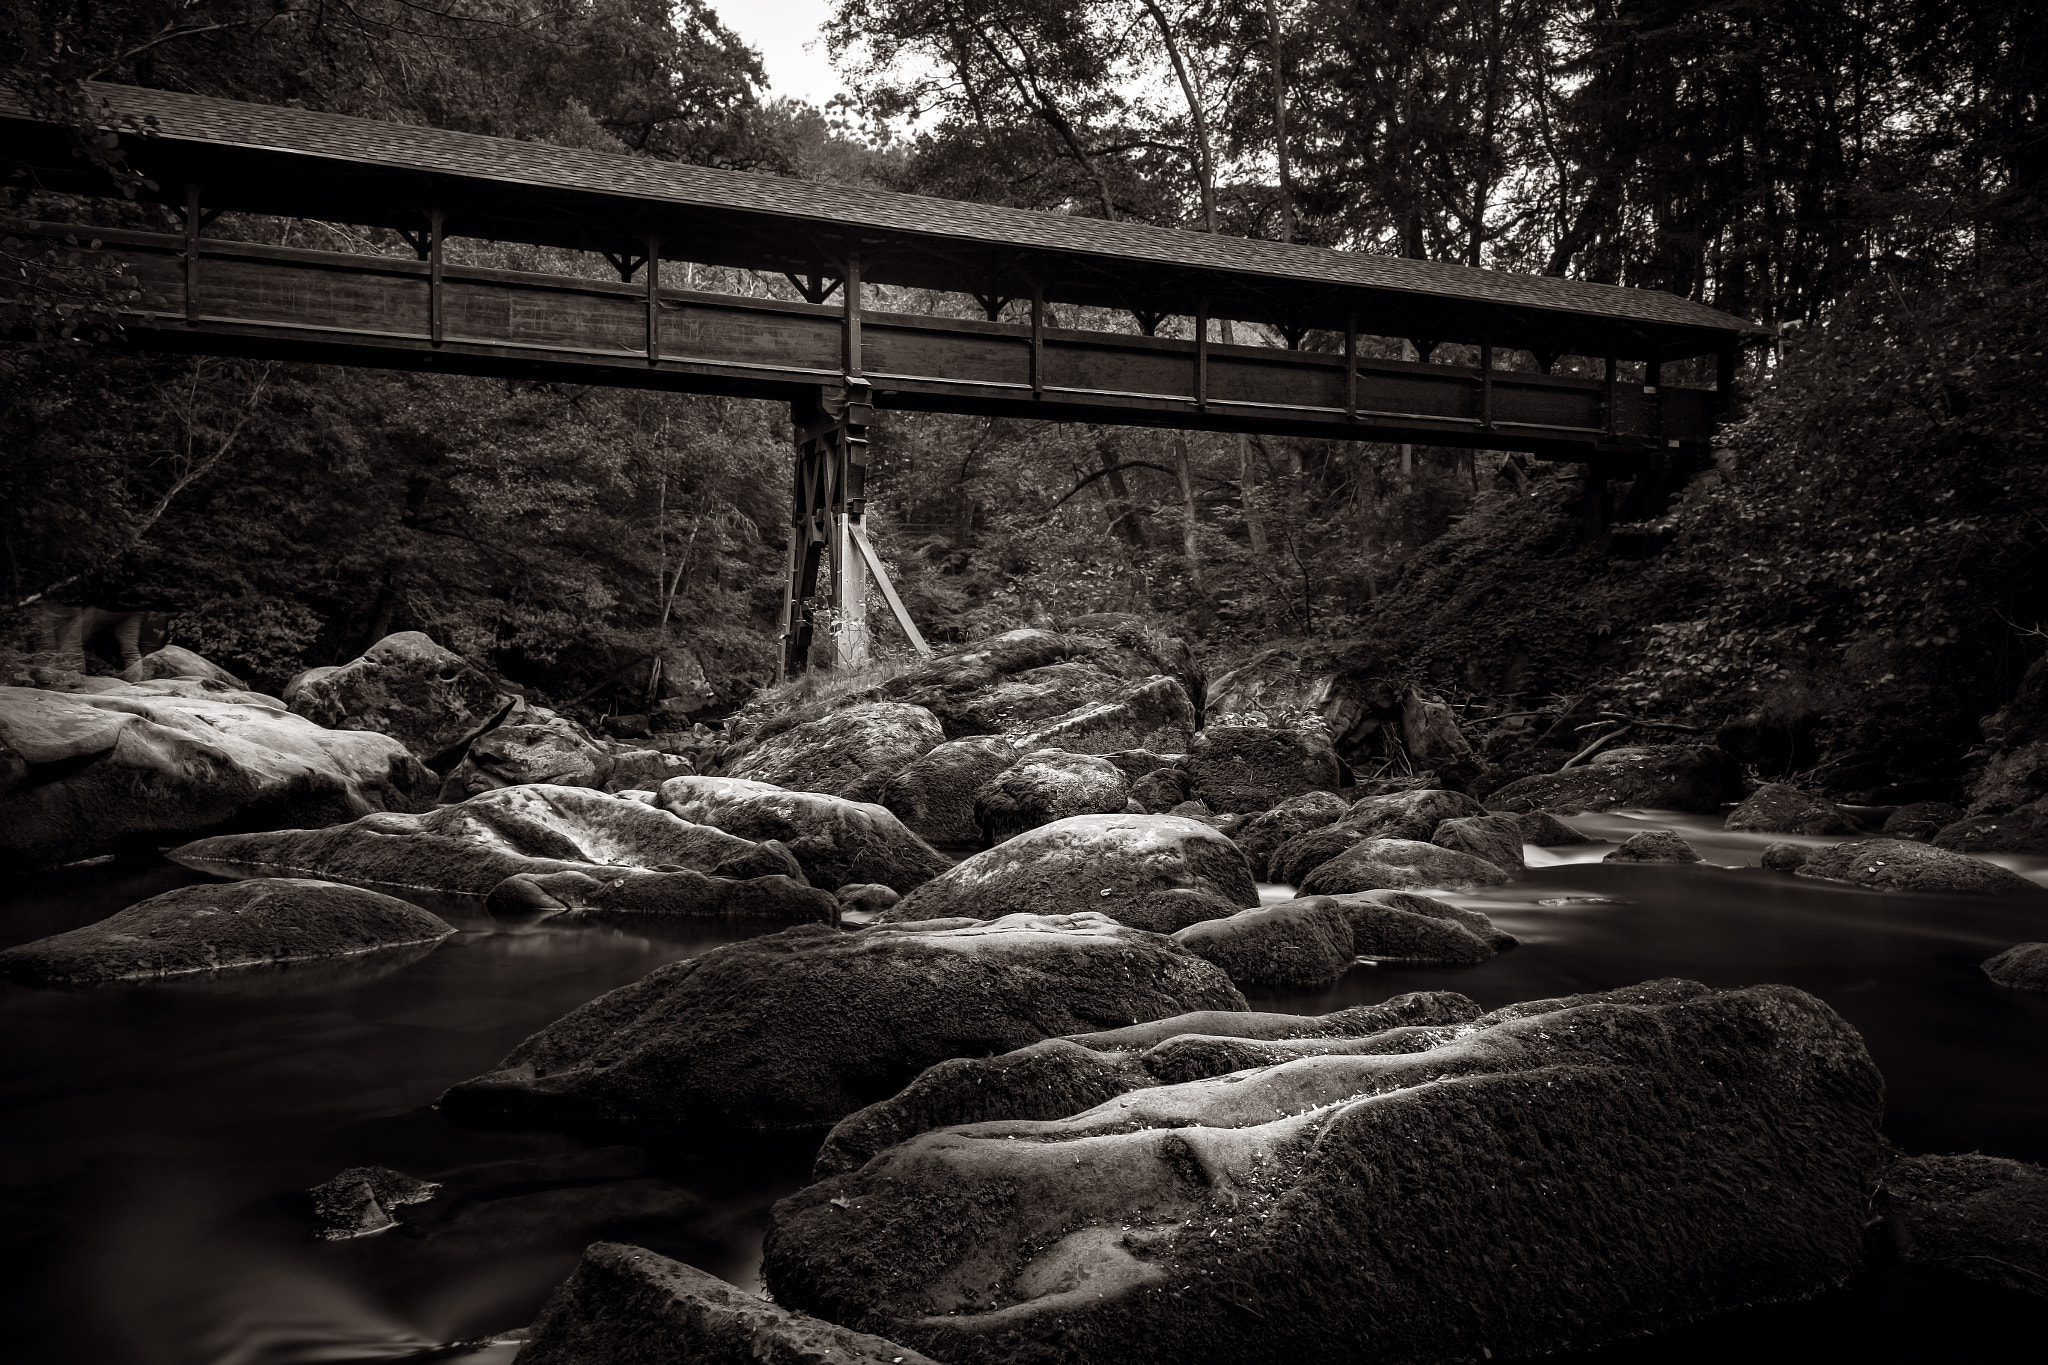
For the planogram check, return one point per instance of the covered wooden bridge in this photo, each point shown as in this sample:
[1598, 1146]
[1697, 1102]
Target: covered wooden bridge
[834, 358]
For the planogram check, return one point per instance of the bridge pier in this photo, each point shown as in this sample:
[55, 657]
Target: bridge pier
[828, 505]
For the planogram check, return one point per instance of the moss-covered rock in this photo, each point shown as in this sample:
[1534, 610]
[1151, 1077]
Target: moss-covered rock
[850, 753]
[1672, 777]
[1775, 808]
[1400, 865]
[934, 795]
[1247, 768]
[1047, 785]
[834, 840]
[1899, 865]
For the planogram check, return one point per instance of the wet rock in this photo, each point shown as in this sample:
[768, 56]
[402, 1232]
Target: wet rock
[803, 1027]
[1312, 941]
[358, 1202]
[1261, 836]
[627, 1304]
[175, 661]
[430, 699]
[616, 894]
[1513, 766]
[1430, 732]
[1061, 1077]
[1787, 857]
[850, 753]
[1137, 763]
[211, 928]
[1304, 853]
[1775, 808]
[2023, 967]
[1043, 786]
[1114, 864]
[1400, 865]
[1674, 777]
[1350, 686]
[523, 755]
[934, 795]
[468, 849]
[1495, 838]
[1160, 790]
[1898, 865]
[1541, 828]
[1654, 846]
[2024, 830]
[644, 770]
[1639, 1161]
[768, 858]
[1921, 820]
[1251, 768]
[1429, 907]
[868, 898]
[1982, 1217]
[1412, 814]
[1152, 714]
[836, 841]
[157, 762]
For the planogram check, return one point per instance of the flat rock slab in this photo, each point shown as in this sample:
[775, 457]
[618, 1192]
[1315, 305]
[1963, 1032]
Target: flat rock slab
[1901, 865]
[1157, 872]
[468, 849]
[1400, 865]
[1314, 940]
[625, 894]
[834, 840]
[627, 1304]
[163, 761]
[210, 928]
[800, 1028]
[1561, 1174]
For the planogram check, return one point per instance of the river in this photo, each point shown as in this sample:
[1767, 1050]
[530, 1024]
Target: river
[155, 1136]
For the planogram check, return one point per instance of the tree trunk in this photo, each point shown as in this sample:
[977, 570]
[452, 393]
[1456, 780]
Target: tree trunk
[1248, 499]
[1280, 122]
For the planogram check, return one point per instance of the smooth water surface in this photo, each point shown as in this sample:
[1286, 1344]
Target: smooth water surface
[156, 1138]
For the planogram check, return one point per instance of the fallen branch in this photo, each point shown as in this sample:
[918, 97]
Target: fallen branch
[1597, 745]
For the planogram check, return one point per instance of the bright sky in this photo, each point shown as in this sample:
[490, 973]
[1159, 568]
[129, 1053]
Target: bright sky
[785, 33]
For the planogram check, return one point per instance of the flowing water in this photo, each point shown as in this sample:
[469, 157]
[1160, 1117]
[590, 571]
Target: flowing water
[154, 1138]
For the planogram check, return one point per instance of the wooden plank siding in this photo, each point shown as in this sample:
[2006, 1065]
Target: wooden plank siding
[257, 300]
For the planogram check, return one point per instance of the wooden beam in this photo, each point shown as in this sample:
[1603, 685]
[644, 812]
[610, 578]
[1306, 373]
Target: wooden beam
[1037, 341]
[850, 354]
[1486, 384]
[896, 607]
[1351, 367]
[1202, 353]
[653, 300]
[192, 226]
[437, 304]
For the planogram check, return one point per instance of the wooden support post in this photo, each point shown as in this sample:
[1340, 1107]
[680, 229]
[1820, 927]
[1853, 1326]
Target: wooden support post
[1613, 422]
[653, 300]
[827, 508]
[192, 225]
[1351, 366]
[850, 360]
[881, 576]
[436, 305]
[1037, 341]
[1202, 353]
[1486, 384]
[1653, 384]
[849, 438]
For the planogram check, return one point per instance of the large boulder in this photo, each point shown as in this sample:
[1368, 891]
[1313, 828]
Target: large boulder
[627, 1304]
[208, 928]
[934, 795]
[175, 661]
[1984, 1218]
[803, 1027]
[1154, 714]
[1400, 865]
[1304, 853]
[1248, 768]
[1351, 687]
[1654, 846]
[851, 752]
[1565, 1173]
[1047, 785]
[1544, 830]
[1156, 872]
[623, 894]
[468, 849]
[163, 761]
[1310, 942]
[2022, 830]
[1430, 732]
[1921, 820]
[430, 699]
[834, 840]
[2024, 967]
[1161, 789]
[1900, 865]
[523, 755]
[1685, 777]
[1409, 814]
[1065, 1076]
[1495, 838]
[1261, 836]
[1775, 808]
